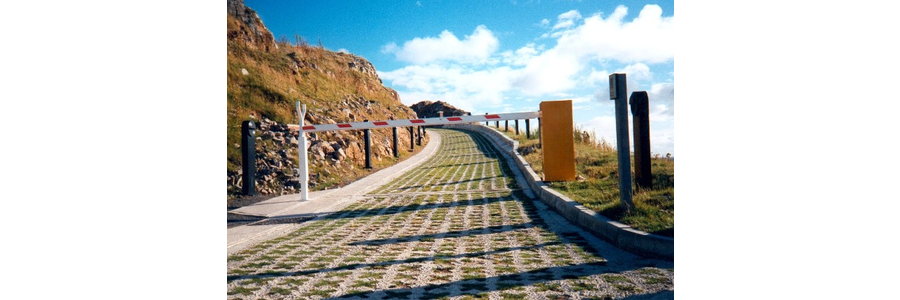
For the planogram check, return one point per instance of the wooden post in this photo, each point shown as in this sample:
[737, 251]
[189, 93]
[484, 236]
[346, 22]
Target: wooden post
[412, 143]
[248, 158]
[396, 152]
[368, 147]
[640, 112]
[527, 129]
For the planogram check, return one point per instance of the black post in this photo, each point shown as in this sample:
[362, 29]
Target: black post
[396, 153]
[517, 127]
[527, 129]
[368, 147]
[640, 111]
[540, 137]
[497, 125]
[505, 125]
[248, 157]
[412, 136]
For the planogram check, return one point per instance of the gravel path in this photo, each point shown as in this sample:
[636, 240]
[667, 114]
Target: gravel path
[456, 227]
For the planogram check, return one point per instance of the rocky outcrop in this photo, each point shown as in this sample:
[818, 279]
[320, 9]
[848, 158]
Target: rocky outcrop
[248, 29]
[428, 109]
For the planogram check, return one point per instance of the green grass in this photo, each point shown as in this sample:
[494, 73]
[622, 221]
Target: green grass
[597, 163]
[242, 290]
[236, 258]
[279, 291]
[616, 278]
[321, 293]
[655, 280]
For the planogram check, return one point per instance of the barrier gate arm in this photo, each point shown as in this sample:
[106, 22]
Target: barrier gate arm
[415, 122]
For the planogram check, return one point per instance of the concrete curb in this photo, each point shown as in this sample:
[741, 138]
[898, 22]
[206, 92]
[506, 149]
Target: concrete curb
[618, 234]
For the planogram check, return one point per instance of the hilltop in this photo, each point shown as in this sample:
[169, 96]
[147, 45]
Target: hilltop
[428, 109]
[265, 78]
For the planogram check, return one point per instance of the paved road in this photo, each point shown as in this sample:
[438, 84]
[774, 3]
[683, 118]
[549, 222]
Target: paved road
[455, 227]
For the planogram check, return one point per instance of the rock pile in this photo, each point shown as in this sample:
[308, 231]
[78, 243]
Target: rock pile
[428, 109]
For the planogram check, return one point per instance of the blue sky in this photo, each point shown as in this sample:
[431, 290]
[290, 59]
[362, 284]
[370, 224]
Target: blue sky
[502, 56]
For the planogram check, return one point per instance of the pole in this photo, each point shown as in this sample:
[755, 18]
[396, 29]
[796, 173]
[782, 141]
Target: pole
[368, 147]
[505, 125]
[248, 158]
[517, 127]
[412, 143]
[396, 152]
[527, 129]
[640, 111]
[302, 165]
[617, 91]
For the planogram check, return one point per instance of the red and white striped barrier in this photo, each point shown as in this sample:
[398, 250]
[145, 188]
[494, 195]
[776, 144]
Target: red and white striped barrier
[419, 122]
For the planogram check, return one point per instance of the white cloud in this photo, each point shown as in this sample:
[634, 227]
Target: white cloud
[470, 73]
[662, 102]
[597, 78]
[567, 19]
[343, 50]
[446, 46]
[638, 71]
[461, 86]
[603, 126]
[648, 38]
[521, 56]
[545, 22]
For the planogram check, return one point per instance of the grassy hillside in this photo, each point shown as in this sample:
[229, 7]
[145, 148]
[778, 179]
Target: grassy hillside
[266, 77]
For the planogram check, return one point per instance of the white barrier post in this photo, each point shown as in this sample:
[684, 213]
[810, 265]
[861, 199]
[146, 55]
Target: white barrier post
[304, 170]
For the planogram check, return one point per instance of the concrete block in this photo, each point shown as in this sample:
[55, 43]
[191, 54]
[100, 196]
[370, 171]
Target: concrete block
[646, 244]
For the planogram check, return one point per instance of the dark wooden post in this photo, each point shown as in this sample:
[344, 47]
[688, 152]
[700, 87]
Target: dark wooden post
[396, 152]
[248, 157]
[640, 111]
[527, 129]
[412, 135]
[505, 125]
[368, 147]
[517, 126]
